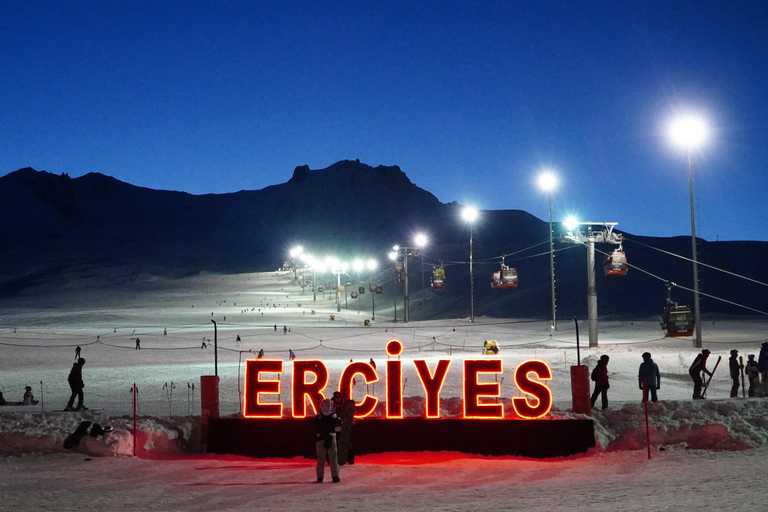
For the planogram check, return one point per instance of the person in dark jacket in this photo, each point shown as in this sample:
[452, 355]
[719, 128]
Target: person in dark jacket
[649, 378]
[753, 374]
[762, 363]
[327, 424]
[345, 411]
[735, 367]
[698, 366]
[600, 377]
[76, 384]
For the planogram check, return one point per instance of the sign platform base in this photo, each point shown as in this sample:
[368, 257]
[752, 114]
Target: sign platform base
[290, 437]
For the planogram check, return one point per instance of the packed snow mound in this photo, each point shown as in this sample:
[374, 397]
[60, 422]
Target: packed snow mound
[707, 425]
[710, 425]
[44, 433]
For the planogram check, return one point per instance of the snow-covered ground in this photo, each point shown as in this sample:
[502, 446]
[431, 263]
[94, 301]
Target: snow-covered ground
[703, 453]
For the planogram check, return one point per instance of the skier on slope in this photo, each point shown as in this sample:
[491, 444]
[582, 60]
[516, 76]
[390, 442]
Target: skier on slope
[649, 375]
[699, 365]
[753, 374]
[735, 367]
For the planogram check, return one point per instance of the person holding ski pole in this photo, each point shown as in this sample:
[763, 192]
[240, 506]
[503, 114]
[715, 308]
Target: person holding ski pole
[699, 365]
[735, 367]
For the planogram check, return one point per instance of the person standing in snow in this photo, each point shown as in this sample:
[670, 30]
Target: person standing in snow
[77, 352]
[75, 380]
[753, 374]
[649, 378]
[600, 377]
[327, 424]
[698, 366]
[762, 365]
[735, 367]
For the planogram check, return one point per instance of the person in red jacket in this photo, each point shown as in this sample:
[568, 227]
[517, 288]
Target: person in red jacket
[600, 377]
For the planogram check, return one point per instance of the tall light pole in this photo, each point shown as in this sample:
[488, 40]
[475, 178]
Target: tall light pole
[372, 264]
[689, 132]
[420, 241]
[470, 214]
[295, 253]
[547, 182]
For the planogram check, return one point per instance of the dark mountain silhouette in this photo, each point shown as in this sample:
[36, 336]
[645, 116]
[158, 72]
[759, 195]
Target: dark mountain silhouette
[52, 224]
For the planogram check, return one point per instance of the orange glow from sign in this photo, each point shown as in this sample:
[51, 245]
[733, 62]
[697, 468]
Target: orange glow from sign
[394, 381]
[540, 392]
[475, 390]
[313, 389]
[368, 404]
[432, 383]
[256, 385]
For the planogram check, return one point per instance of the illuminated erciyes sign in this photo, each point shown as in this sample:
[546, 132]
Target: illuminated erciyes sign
[310, 378]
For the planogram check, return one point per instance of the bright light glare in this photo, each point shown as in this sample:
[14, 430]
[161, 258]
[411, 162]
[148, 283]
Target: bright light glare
[420, 240]
[688, 131]
[392, 255]
[372, 264]
[358, 265]
[470, 214]
[547, 181]
[571, 223]
[296, 251]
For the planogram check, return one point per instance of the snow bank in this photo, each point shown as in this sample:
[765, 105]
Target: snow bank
[706, 425]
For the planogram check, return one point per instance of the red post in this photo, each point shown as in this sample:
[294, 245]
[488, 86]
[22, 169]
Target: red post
[580, 389]
[647, 429]
[135, 433]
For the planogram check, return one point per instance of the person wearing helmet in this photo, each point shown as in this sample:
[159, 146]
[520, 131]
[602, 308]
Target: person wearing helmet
[600, 377]
[753, 374]
[75, 380]
[327, 425]
[699, 365]
[735, 368]
[649, 378]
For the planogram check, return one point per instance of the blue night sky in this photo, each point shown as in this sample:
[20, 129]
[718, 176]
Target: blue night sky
[470, 99]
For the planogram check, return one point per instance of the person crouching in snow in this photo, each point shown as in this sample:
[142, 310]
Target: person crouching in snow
[28, 398]
[649, 377]
[600, 377]
[327, 424]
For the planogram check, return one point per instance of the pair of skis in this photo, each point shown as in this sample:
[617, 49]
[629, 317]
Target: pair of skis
[706, 384]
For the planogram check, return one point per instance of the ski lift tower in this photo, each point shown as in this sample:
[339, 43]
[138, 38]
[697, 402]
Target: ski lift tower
[403, 253]
[591, 233]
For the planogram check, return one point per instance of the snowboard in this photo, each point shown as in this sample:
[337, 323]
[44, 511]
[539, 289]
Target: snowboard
[344, 440]
[706, 384]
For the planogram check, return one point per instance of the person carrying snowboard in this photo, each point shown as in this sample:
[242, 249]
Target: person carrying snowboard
[76, 384]
[698, 366]
[327, 425]
[735, 367]
[600, 378]
[649, 378]
[753, 374]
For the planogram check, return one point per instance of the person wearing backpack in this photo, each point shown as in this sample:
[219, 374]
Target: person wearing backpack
[600, 378]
